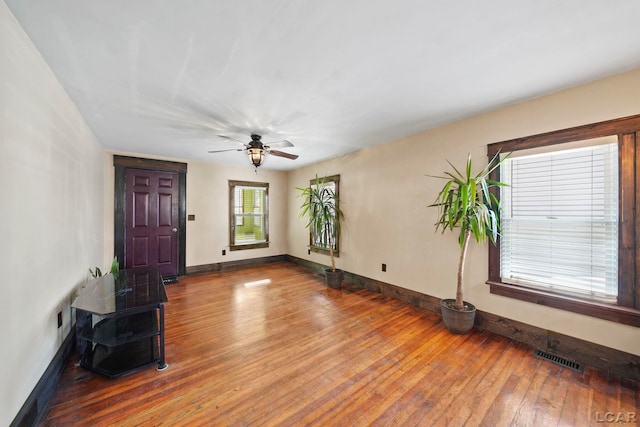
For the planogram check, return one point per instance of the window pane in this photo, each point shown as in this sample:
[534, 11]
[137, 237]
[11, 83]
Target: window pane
[326, 233]
[250, 222]
[238, 205]
[559, 221]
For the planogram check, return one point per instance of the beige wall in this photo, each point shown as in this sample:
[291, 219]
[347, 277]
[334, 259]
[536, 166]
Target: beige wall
[208, 200]
[51, 219]
[385, 194]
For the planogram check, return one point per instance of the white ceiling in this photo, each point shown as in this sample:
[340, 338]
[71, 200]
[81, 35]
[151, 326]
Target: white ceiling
[165, 77]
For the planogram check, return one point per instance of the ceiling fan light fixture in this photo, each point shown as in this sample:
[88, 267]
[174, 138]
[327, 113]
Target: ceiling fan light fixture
[256, 156]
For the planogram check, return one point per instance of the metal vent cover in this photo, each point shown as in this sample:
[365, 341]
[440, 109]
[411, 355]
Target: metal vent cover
[169, 278]
[571, 364]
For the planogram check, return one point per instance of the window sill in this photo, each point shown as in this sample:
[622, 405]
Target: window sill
[323, 251]
[613, 313]
[249, 246]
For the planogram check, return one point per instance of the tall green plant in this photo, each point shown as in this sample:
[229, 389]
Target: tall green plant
[322, 206]
[465, 202]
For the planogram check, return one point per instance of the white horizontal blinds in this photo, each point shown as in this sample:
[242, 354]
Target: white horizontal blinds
[249, 205]
[238, 205]
[560, 221]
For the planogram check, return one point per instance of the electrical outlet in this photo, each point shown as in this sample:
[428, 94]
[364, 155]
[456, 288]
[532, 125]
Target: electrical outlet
[384, 267]
[59, 319]
[224, 252]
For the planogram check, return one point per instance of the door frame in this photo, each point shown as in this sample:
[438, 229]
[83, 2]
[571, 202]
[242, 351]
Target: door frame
[121, 164]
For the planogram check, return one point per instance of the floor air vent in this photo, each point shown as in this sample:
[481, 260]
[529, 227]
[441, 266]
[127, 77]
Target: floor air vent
[558, 360]
[169, 278]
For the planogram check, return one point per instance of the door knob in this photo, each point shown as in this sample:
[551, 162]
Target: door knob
[175, 230]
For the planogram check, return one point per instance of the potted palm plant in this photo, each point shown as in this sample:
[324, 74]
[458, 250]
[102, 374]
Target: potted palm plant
[322, 206]
[466, 204]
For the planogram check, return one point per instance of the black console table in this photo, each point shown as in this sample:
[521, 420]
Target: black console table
[120, 322]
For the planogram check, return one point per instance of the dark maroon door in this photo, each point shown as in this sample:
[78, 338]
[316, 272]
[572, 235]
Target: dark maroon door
[151, 232]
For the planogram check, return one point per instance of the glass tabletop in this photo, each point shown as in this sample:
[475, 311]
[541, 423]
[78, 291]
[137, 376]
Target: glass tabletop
[129, 290]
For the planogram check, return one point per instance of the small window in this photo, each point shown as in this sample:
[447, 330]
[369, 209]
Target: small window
[319, 242]
[248, 215]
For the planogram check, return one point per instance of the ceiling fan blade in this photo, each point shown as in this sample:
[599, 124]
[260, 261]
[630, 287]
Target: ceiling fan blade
[228, 149]
[231, 138]
[282, 144]
[283, 154]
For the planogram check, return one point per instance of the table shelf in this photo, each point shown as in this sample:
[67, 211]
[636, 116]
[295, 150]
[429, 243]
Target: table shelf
[116, 361]
[114, 331]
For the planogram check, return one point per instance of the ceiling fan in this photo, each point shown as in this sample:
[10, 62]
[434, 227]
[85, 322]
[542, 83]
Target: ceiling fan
[257, 151]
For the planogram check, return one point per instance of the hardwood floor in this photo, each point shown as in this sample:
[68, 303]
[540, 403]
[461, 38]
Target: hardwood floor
[294, 352]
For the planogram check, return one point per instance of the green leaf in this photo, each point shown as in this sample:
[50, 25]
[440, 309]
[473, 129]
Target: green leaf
[466, 202]
[460, 176]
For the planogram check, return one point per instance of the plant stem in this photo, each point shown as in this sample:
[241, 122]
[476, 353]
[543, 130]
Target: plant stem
[333, 261]
[459, 305]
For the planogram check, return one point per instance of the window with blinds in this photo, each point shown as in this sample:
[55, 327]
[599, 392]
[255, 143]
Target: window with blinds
[560, 221]
[248, 215]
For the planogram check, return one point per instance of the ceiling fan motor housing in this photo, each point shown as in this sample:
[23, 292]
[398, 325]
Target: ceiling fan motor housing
[255, 142]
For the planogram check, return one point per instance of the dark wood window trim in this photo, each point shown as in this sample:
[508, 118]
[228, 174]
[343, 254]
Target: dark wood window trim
[121, 164]
[627, 309]
[336, 252]
[232, 185]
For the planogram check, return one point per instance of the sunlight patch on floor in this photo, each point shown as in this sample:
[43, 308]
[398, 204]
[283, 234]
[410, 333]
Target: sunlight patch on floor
[257, 283]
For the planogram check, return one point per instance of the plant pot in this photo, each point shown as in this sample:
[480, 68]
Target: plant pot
[334, 278]
[458, 321]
